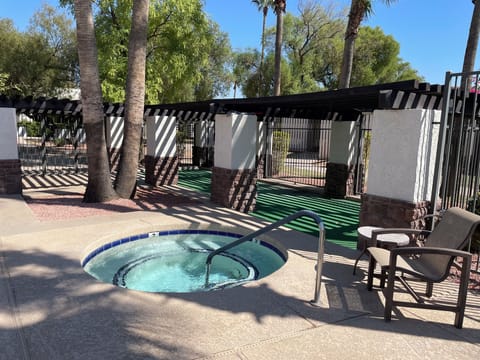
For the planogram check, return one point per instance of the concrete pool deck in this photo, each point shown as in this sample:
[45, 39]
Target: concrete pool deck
[51, 309]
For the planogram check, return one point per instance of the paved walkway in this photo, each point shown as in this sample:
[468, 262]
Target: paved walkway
[51, 309]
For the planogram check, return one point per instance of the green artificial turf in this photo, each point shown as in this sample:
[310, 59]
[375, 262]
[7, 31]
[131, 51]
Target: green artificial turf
[274, 202]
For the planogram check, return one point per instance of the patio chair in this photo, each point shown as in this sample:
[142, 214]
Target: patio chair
[430, 263]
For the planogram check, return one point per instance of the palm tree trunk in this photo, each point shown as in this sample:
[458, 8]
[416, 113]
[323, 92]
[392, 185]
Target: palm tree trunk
[135, 100]
[355, 17]
[472, 43]
[280, 6]
[262, 55]
[99, 187]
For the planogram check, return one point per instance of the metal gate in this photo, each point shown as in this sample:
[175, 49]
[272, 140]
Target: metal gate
[51, 144]
[300, 150]
[458, 160]
[457, 174]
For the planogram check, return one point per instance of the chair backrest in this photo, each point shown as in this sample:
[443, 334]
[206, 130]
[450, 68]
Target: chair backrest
[453, 232]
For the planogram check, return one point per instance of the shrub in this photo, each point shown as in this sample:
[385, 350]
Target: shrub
[280, 146]
[33, 128]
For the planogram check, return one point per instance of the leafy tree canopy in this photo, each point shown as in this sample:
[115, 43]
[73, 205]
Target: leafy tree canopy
[313, 48]
[187, 57]
[41, 61]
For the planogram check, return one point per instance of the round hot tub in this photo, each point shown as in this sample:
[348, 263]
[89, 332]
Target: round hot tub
[175, 261]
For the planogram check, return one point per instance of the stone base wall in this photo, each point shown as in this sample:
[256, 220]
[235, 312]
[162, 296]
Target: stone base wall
[234, 189]
[339, 180]
[10, 177]
[386, 212]
[202, 156]
[161, 171]
[261, 166]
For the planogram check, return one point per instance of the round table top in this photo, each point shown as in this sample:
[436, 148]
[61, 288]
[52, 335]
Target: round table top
[399, 239]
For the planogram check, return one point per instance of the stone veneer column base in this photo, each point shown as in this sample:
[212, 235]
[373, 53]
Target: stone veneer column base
[391, 213]
[339, 180]
[161, 171]
[386, 212]
[234, 189]
[261, 166]
[10, 177]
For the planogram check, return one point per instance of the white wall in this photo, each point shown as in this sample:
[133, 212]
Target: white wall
[235, 141]
[8, 134]
[402, 154]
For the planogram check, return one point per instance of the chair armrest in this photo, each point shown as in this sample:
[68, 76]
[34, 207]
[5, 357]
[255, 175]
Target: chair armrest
[428, 250]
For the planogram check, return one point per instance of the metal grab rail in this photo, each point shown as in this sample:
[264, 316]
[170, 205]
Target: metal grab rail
[285, 220]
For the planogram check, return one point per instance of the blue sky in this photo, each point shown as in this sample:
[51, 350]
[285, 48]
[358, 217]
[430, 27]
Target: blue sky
[432, 33]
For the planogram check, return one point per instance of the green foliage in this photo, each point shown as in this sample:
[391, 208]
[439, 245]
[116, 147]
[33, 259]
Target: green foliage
[377, 59]
[32, 127]
[280, 146]
[41, 61]
[313, 50]
[187, 54]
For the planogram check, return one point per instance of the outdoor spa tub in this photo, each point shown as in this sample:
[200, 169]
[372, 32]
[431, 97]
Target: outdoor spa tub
[175, 261]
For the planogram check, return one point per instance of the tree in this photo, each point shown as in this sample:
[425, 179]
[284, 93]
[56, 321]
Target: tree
[377, 60]
[359, 9]
[309, 39]
[99, 187]
[41, 61]
[181, 43]
[280, 7]
[217, 76]
[472, 42]
[312, 48]
[125, 182]
[263, 6]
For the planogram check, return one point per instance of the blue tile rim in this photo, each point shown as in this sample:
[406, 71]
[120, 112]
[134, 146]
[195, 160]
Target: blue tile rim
[128, 239]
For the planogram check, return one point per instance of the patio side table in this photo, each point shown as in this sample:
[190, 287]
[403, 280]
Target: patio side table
[388, 241]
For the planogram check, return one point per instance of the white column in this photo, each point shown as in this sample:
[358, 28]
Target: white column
[161, 136]
[235, 141]
[114, 132]
[10, 167]
[401, 168]
[343, 142]
[161, 162]
[8, 134]
[234, 176]
[402, 154]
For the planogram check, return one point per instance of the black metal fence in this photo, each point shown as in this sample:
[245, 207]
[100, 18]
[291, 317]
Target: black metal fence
[50, 143]
[300, 150]
[457, 178]
[460, 143]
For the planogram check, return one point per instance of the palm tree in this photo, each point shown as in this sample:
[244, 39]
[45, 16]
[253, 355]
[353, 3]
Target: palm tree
[263, 6]
[99, 187]
[125, 183]
[280, 7]
[472, 42]
[359, 10]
